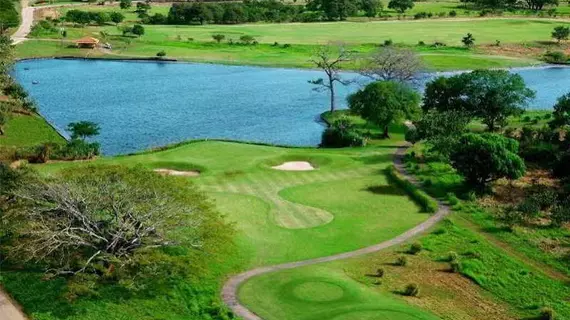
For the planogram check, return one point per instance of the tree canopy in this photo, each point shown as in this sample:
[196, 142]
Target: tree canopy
[401, 5]
[561, 114]
[483, 158]
[490, 95]
[385, 102]
[83, 129]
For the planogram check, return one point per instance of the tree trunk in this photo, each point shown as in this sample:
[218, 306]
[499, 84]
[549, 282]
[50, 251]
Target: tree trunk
[386, 133]
[1, 131]
[333, 104]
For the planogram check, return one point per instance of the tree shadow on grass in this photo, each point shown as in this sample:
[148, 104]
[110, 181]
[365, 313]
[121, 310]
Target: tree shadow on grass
[385, 190]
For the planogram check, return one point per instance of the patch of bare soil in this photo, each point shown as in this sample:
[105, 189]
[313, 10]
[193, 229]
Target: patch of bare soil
[169, 172]
[295, 166]
[44, 13]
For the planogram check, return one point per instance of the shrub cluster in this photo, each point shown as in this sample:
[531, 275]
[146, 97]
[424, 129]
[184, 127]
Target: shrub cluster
[342, 133]
[427, 203]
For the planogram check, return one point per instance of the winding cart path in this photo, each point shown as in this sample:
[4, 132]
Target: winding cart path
[230, 289]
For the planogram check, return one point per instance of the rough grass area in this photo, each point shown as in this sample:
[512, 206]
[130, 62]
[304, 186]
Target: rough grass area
[24, 131]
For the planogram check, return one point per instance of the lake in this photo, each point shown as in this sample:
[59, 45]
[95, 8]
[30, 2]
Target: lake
[140, 105]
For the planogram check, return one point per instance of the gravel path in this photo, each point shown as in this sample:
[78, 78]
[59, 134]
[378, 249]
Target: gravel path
[230, 289]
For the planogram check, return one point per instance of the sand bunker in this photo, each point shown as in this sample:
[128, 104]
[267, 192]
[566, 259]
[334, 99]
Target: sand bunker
[295, 166]
[169, 172]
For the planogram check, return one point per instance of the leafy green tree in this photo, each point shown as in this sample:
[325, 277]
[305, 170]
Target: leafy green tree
[441, 130]
[539, 4]
[561, 33]
[138, 30]
[468, 40]
[125, 4]
[161, 54]
[561, 114]
[116, 17]
[83, 129]
[101, 18]
[483, 158]
[401, 5]
[246, 39]
[371, 8]
[334, 9]
[218, 37]
[385, 102]
[342, 133]
[490, 95]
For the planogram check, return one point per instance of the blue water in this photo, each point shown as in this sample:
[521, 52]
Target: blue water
[140, 105]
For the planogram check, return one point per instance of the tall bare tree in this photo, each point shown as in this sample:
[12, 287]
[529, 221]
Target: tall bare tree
[393, 64]
[330, 58]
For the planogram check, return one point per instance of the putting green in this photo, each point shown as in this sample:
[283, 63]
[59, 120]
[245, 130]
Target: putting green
[322, 293]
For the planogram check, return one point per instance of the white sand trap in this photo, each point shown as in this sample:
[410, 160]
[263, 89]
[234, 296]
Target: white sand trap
[168, 172]
[295, 166]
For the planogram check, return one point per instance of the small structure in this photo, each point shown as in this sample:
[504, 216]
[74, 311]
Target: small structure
[87, 42]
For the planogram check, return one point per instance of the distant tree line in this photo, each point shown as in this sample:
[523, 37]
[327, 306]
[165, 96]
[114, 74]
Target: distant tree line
[264, 10]
[513, 4]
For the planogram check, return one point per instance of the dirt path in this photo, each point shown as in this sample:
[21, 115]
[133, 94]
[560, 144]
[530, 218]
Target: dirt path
[9, 310]
[230, 289]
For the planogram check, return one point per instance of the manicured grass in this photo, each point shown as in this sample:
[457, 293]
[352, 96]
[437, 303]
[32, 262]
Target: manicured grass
[321, 292]
[406, 32]
[23, 131]
[287, 216]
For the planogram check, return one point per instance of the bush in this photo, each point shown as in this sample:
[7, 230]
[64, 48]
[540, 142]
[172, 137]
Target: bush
[340, 134]
[547, 313]
[161, 54]
[455, 266]
[247, 40]
[452, 256]
[452, 199]
[555, 57]
[452, 13]
[380, 272]
[421, 43]
[388, 42]
[412, 290]
[401, 261]
[427, 203]
[415, 248]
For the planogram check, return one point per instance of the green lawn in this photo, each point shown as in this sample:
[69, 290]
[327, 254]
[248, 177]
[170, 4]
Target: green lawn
[406, 32]
[24, 131]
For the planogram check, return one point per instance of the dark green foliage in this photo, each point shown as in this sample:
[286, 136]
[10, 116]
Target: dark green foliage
[468, 40]
[427, 203]
[83, 129]
[247, 39]
[415, 248]
[441, 130]
[87, 17]
[400, 5]
[43, 27]
[561, 168]
[238, 12]
[161, 54]
[385, 102]
[125, 4]
[342, 133]
[483, 158]
[8, 14]
[490, 95]
[116, 17]
[218, 37]
[561, 114]
[334, 9]
[137, 30]
[452, 256]
[452, 13]
[561, 33]
[412, 290]
[560, 214]
[556, 57]
[371, 8]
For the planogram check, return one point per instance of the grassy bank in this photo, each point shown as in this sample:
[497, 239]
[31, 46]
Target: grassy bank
[25, 131]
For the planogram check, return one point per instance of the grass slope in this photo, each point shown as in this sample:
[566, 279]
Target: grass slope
[23, 131]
